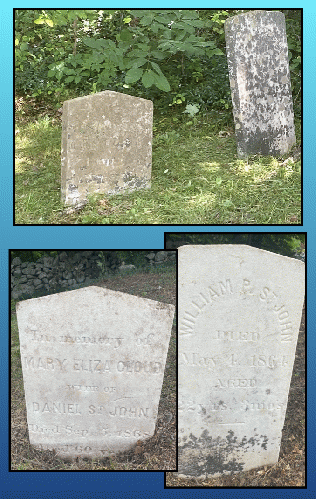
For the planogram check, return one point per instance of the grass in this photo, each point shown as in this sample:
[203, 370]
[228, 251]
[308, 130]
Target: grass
[196, 179]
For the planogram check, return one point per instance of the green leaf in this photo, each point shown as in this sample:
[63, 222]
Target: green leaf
[39, 21]
[211, 52]
[155, 27]
[126, 35]
[190, 14]
[96, 43]
[147, 20]
[156, 67]
[162, 83]
[133, 75]
[191, 109]
[148, 78]
[69, 71]
[69, 79]
[136, 63]
[158, 54]
[49, 22]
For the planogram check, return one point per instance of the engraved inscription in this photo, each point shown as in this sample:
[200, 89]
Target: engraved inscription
[235, 383]
[225, 288]
[71, 408]
[268, 361]
[92, 365]
[133, 433]
[58, 429]
[146, 340]
[244, 405]
[239, 316]
[80, 339]
[102, 340]
[83, 388]
[119, 411]
[56, 407]
[195, 359]
[193, 406]
[66, 448]
[46, 363]
[132, 412]
[236, 336]
[137, 367]
[198, 304]
[259, 406]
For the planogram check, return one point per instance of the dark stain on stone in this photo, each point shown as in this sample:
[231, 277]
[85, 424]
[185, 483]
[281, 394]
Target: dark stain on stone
[206, 455]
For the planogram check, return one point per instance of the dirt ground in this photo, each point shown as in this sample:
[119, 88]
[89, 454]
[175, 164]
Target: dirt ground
[290, 469]
[158, 452]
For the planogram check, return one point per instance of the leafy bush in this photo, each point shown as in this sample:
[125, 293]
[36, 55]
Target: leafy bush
[173, 57]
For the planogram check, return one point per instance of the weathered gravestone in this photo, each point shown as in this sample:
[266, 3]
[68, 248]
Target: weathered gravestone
[239, 317]
[93, 364]
[106, 145]
[259, 73]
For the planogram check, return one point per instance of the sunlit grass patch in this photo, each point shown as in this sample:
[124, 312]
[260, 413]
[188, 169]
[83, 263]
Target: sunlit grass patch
[196, 179]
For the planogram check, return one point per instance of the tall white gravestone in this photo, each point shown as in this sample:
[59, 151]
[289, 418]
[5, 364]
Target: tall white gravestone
[239, 317]
[106, 145]
[93, 364]
[259, 73]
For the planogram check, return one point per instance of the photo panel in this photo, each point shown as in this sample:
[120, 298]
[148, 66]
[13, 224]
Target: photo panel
[93, 360]
[241, 359]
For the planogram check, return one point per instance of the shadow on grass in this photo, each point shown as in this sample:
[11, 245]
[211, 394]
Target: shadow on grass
[196, 179]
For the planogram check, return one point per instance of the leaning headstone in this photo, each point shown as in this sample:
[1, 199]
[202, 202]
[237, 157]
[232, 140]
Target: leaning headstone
[106, 145]
[239, 317]
[93, 364]
[260, 83]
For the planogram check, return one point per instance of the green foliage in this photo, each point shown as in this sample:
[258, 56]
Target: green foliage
[174, 57]
[31, 256]
[284, 244]
[293, 29]
[143, 50]
[191, 109]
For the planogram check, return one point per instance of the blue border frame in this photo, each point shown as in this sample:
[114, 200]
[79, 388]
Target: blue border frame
[138, 485]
